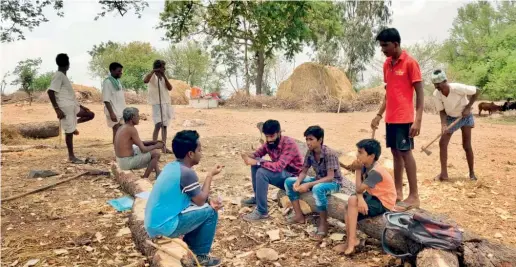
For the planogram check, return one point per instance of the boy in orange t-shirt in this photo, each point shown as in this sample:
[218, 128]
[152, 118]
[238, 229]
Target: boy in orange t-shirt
[402, 78]
[375, 195]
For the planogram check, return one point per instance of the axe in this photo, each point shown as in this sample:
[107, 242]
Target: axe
[425, 148]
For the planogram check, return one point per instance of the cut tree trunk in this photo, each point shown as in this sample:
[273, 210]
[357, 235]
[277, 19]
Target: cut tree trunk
[475, 252]
[44, 129]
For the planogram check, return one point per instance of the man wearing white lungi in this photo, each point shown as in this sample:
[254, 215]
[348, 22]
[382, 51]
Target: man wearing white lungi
[62, 97]
[158, 87]
[113, 97]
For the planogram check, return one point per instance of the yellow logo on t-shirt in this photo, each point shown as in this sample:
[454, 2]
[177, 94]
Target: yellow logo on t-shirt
[399, 72]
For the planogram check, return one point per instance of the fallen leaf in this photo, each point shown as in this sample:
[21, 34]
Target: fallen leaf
[236, 201]
[60, 251]
[277, 264]
[267, 254]
[88, 248]
[498, 235]
[31, 262]
[14, 263]
[337, 236]
[245, 254]
[274, 234]
[501, 211]
[244, 210]
[123, 231]
[229, 217]
[99, 237]
[471, 195]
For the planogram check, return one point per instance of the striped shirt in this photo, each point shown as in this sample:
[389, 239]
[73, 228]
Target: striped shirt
[189, 183]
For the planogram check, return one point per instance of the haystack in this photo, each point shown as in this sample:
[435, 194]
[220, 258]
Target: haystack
[178, 95]
[311, 81]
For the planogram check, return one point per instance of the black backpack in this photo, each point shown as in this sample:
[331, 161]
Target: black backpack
[423, 230]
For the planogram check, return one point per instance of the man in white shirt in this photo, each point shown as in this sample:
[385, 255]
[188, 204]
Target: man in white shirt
[113, 97]
[453, 101]
[158, 87]
[62, 97]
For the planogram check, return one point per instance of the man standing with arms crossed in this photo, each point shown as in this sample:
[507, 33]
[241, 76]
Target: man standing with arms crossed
[113, 97]
[402, 77]
[451, 100]
[62, 97]
[158, 87]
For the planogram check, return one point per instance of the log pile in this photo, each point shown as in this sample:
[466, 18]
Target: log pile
[170, 254]
[475, 251]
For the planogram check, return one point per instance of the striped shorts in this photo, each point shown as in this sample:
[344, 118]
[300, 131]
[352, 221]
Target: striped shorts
[467, 121]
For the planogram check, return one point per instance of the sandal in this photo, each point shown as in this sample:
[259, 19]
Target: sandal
[77, 161]
[402, 206]
[318, 236]
[290, 220]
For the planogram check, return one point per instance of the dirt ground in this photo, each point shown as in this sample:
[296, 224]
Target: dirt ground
[72, 225]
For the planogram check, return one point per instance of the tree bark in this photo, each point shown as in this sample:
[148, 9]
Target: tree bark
[260, 68]
[38, 130]
[475, 251]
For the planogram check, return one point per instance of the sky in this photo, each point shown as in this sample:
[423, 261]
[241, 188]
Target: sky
[77, 32]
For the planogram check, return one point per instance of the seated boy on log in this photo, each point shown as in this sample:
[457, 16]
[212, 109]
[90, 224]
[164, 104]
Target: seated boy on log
[375, 194]
[328, 179]
[131, 152]
[179, 206]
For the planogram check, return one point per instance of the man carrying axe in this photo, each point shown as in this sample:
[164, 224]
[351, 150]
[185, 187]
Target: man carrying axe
[451, 100]
[158, 87]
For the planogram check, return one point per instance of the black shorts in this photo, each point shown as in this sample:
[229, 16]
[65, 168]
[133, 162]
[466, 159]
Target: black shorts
[398, 136]
[374, 207]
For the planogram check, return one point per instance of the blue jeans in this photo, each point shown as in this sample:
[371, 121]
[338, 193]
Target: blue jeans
[198, 228]
[261, 179]
[320, 191]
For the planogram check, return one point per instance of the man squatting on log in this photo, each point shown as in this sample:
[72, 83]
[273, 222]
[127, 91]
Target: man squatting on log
[113, 97]
[131, 152]
[177, 204]
[451, 100]
[285, 162]
[402, 77]
[328, 180]
[62, 97]
[157, 88]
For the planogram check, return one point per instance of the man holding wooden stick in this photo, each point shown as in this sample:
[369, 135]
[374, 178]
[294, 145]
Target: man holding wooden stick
[158, 87]
[62, 97]
[451, 100]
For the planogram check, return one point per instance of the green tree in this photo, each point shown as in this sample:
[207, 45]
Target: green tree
[42, 82]
[19, 15]
[26, 71]
[481, 47]
[188, 62]
[354, 46]
[261, 27]
[136, 57]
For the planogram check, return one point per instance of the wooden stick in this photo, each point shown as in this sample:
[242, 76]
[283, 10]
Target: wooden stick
[374, 130]
[438, 136]
[93, 172]
[185, 247]
[340, 101]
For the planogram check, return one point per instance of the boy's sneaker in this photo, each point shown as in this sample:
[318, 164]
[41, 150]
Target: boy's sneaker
[206, 260]
[249, 202]
[255, 216]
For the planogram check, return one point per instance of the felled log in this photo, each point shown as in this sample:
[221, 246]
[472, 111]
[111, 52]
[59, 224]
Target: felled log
[171, 254]
[475, 251]
[7, 149]
[44, 129]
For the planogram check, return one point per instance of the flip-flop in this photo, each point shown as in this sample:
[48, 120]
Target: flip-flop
[402, 207]
[77, 161]
[318, 235]
[290, 220]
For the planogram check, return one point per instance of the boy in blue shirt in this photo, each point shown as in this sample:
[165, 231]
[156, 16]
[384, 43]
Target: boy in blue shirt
[178, 205]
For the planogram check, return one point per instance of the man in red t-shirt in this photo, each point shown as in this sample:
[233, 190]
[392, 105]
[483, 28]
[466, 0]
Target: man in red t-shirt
[402, 77]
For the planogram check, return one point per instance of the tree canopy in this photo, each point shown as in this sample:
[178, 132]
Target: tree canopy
[20, 15]
[136, 57]
[481, 48]
[25, 73]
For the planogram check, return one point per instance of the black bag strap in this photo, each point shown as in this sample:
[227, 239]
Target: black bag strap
[388, 250]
